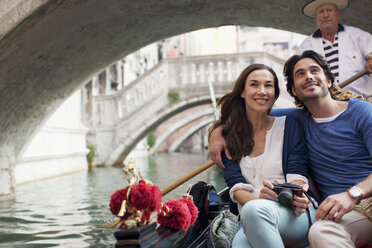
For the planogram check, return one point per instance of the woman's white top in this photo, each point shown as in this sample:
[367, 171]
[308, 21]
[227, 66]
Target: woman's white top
[267, 166]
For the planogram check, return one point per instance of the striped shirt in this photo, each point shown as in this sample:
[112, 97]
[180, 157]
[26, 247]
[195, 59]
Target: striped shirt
[331, 51]
[331, 56]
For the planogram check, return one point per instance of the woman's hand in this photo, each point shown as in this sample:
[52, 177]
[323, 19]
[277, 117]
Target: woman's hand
[267, 191]
[243, 196]
[301, 203]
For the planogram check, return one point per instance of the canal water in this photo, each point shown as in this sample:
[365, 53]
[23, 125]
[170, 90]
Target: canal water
[69, 211]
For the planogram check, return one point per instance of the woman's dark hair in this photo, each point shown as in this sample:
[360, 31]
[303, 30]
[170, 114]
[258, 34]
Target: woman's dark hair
[288, 72]
[237, 129]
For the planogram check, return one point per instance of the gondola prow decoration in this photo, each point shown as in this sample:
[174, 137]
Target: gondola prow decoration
[135, 203]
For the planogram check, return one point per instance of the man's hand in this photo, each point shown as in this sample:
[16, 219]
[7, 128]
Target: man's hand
[336, 206]
[369, 66]
[301, 203]
[217, 144]
[267, 191]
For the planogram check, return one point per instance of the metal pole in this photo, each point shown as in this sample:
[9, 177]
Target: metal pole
[213, 98]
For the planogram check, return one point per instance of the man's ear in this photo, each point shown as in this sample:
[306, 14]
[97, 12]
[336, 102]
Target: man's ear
[294, 91]
[329, 83]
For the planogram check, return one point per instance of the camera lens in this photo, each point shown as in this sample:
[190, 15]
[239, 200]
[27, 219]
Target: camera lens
[285, 197]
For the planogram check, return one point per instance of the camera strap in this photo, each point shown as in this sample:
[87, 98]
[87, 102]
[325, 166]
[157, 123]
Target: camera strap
[315, 205]
[309, 217]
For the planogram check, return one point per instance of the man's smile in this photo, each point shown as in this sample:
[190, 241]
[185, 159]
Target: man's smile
[310, 85]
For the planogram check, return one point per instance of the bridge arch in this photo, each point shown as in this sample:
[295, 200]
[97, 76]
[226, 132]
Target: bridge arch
[178, 125]
[192, 130]
[129, 140]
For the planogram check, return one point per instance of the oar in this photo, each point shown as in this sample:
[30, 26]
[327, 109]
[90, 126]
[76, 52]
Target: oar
[353, 78]
[187, 177]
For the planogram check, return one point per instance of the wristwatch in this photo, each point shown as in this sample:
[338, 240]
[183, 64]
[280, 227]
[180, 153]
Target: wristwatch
[356, 192]
[369, 56]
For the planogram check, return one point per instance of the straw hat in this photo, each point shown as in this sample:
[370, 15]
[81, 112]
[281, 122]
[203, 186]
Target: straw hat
[310, 8]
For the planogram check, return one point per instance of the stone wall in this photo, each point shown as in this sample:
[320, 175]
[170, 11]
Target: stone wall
[58, 148]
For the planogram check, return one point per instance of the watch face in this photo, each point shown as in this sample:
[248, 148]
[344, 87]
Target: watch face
[355, 192]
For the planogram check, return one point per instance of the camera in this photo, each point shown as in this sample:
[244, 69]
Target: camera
[286, 192]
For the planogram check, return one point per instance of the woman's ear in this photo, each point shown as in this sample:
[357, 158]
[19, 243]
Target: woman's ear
[242, 94]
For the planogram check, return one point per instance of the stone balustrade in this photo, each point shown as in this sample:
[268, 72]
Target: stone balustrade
[185, 75]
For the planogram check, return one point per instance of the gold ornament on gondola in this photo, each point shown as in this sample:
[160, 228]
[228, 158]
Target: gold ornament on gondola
[135, 203]
[341, 94]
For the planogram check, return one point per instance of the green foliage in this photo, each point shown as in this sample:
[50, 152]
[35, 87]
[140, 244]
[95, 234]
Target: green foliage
[173, 96]
[92, 153]
[151, 139]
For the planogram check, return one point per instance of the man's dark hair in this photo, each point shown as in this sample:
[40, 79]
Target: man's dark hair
[288, 72]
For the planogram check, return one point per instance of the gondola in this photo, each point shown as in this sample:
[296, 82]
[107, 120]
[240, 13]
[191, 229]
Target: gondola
[209, 204]
[155, 236]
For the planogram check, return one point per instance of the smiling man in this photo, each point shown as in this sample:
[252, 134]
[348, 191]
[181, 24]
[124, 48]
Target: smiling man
[348, 50]
[339, 138]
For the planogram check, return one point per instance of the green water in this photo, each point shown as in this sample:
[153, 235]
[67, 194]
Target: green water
[68, 211]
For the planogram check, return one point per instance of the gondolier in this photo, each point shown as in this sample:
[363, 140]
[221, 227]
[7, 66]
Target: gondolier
[347, 49]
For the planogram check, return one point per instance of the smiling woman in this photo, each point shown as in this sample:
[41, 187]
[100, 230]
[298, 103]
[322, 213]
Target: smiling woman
[244, 111]
[255, 140]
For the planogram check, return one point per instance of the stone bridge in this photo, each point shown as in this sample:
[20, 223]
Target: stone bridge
[48, 48]
[121, 120]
